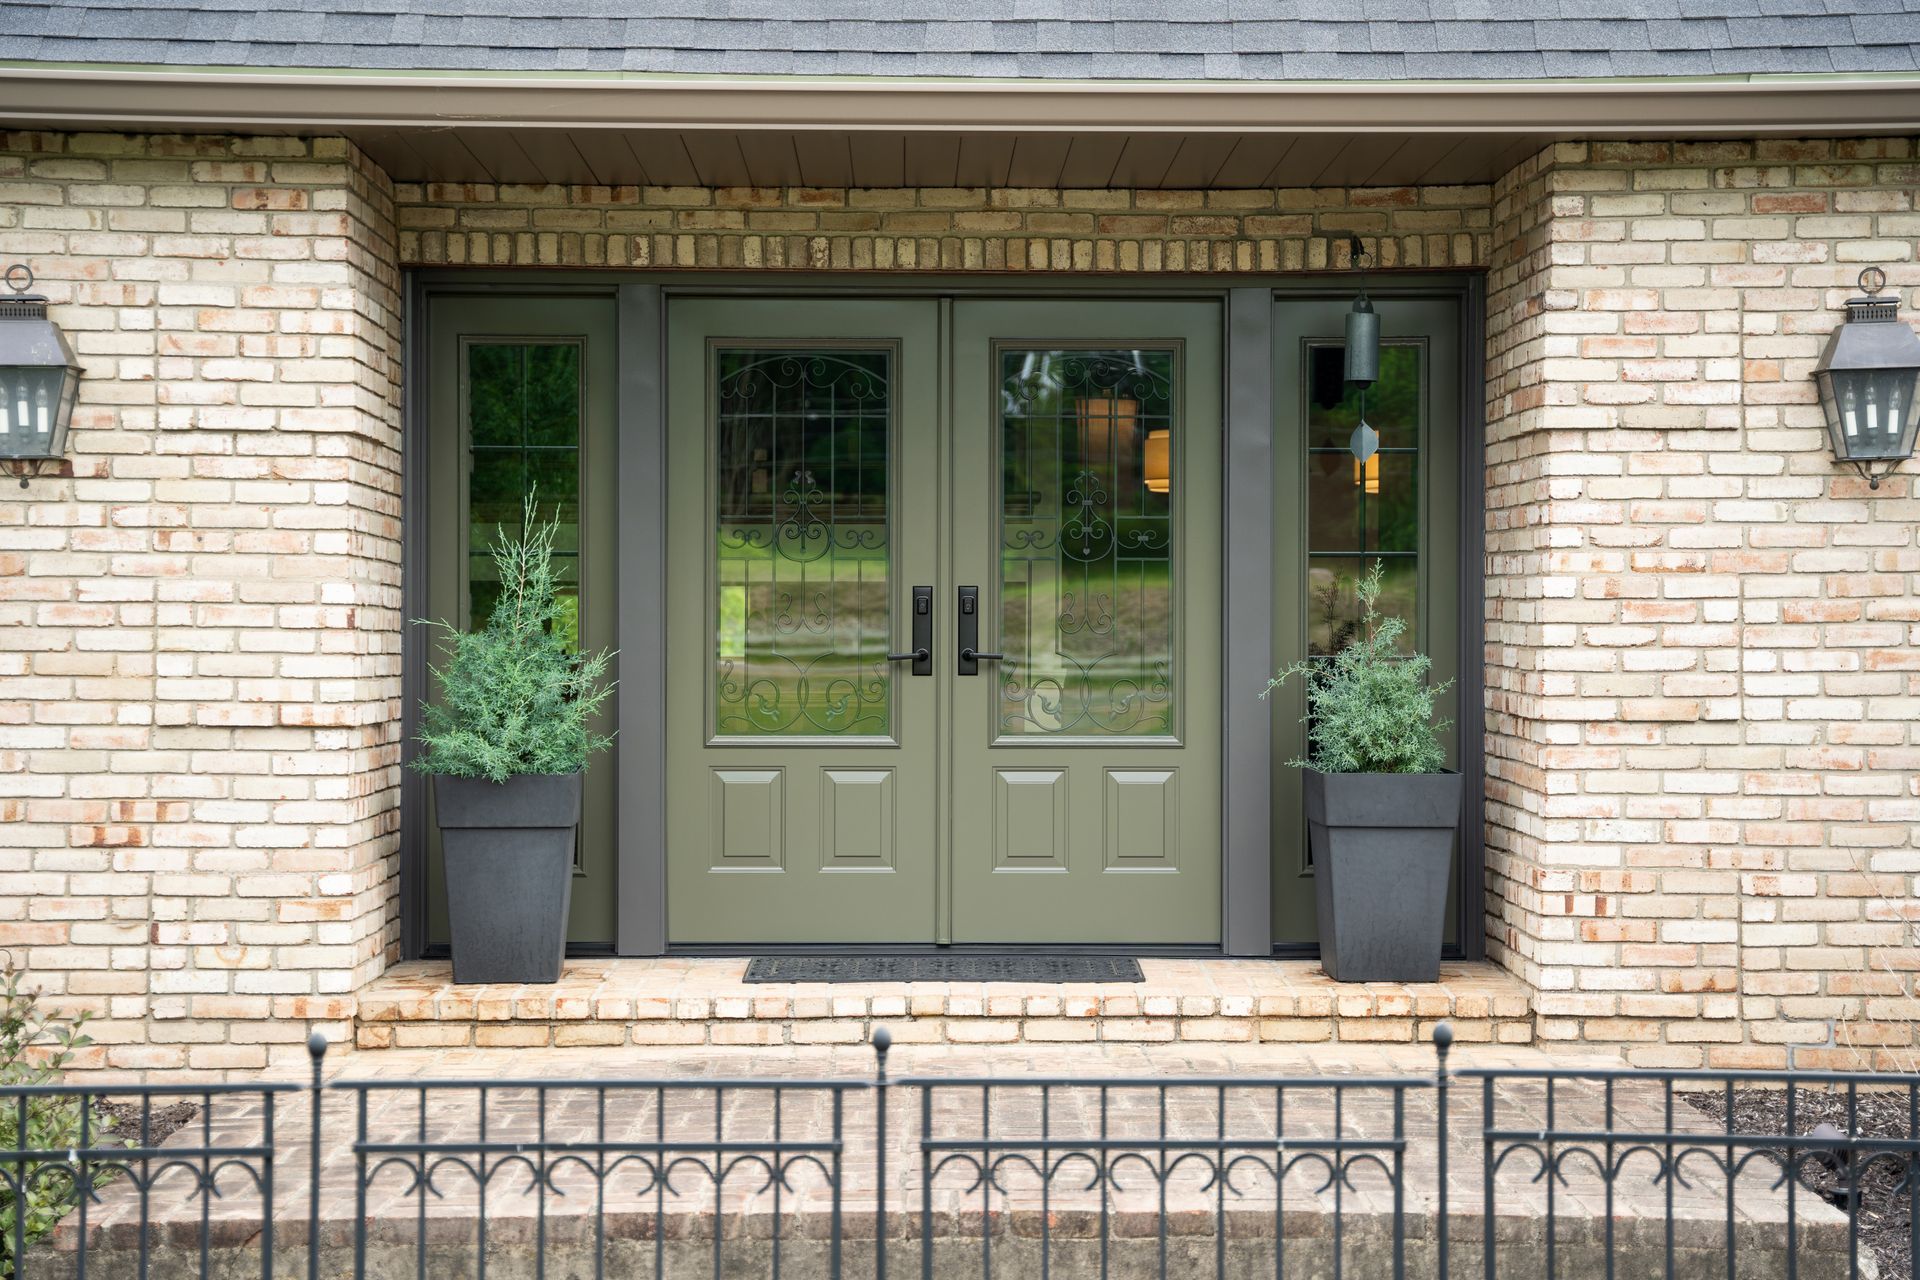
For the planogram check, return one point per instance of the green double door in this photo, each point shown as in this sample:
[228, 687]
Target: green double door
[943, 621]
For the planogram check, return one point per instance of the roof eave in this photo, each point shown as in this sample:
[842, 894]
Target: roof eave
[42, 96]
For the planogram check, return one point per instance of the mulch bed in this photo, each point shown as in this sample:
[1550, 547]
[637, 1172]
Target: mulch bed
[1885, 1208]
[165, 1120]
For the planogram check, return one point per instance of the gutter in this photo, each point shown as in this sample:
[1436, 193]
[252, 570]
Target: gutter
[39, 96]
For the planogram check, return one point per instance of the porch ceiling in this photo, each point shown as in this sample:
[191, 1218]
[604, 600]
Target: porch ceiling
[614, 157]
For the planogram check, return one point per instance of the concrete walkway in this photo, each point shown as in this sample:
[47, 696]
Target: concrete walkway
[989, 1201]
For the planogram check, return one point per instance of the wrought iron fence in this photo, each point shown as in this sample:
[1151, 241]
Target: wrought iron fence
[1493, 1173]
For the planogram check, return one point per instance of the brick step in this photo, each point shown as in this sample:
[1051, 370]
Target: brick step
[687, 1001]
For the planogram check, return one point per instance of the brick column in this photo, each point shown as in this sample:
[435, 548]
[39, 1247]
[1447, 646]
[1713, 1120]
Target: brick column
[199, 629]
[1703, 677]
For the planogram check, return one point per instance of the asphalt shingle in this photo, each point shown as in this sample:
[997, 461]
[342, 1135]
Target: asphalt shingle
[1046, 39]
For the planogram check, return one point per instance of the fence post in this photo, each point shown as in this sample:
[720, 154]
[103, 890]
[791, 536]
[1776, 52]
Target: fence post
[882, 1041]
[1442, 1045]
[317, 1050]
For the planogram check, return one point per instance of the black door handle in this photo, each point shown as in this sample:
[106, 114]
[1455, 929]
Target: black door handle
[922, 652]
[971, 655]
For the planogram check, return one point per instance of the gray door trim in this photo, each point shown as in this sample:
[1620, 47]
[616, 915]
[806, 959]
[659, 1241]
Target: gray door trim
[640, 923]
[414, 515]
[1473, 609]
[1246, 879]
[1247, 563]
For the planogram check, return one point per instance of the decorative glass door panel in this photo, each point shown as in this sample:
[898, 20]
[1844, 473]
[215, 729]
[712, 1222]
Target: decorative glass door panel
[802, 583]
[1087, 591]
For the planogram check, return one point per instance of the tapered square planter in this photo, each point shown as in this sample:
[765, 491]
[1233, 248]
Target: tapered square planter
[1382, 856]
[508, 848]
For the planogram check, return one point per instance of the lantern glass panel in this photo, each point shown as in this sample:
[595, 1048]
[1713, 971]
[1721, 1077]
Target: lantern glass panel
[35, 404]
[1870, 412]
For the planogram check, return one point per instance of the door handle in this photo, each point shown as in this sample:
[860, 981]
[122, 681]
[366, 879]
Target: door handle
[971, 655]
[921, 654]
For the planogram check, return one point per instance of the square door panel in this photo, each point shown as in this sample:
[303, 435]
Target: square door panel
[1030, 819]
[1143, 820]
[749, 819]
[856, 820]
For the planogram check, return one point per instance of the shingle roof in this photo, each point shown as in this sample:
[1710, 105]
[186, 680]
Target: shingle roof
[1046, 39]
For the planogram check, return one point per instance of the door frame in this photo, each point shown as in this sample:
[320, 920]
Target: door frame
[1247, 515]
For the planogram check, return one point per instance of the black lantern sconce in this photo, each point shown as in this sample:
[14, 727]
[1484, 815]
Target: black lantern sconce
[39, 379]
[1867, 378]
[1363, 368]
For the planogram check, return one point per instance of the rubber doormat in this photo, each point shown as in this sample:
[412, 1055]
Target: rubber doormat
[944, 969]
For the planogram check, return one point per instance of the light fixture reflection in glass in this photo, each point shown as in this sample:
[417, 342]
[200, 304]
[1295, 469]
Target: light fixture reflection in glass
[1158, 461]
[1366, 475]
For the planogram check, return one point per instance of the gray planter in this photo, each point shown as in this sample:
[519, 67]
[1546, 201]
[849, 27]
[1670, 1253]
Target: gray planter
[508, 849]
[1382, 857]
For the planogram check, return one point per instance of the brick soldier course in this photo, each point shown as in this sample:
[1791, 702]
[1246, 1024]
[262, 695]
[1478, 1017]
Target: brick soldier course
[1702, 636]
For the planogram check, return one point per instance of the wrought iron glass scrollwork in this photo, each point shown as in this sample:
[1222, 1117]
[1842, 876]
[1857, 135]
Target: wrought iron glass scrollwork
[802, 597]
[1089, 444]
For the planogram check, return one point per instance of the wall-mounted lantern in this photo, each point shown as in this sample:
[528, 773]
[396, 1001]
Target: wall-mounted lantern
[1363, 368]
[1867, 378]
[39, 379]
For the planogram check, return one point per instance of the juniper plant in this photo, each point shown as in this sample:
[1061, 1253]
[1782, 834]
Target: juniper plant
[513, 699]
[1370, 707]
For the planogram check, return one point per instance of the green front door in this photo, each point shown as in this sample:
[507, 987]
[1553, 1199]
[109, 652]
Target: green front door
[851, 482]
[523, 401]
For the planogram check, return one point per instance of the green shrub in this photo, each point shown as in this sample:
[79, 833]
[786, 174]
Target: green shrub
[1370, 707]
[513, 698]
[36, 1049]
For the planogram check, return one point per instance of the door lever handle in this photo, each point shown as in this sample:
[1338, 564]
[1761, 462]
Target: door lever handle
[921, 655]
[974, 655]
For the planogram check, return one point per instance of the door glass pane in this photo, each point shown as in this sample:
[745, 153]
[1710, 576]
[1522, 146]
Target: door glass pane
[1089, 455]
[1356, 513]
[802, 614]
[523, 433]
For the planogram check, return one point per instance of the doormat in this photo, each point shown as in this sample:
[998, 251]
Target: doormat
[1048, 969]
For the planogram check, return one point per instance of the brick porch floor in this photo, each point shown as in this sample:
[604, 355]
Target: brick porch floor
[688, 1001]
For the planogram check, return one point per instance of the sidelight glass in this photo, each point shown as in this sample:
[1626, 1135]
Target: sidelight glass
[1357, 514]
[802, 598]
[1090, 468]
[523, 433]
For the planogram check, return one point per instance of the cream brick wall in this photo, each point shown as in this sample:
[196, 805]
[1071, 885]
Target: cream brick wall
[944, 229]
[199, 628]
[1703, 643]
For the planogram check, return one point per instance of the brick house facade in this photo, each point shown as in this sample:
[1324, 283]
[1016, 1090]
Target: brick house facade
[1701, 635]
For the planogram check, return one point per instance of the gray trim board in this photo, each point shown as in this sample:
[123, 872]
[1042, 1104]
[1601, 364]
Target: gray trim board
[1472, 618]
[413, 604]
[640, 748]
[1246, 829]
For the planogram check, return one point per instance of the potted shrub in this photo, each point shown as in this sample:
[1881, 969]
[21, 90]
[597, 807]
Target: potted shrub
[1382, 808]
[505, 745]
